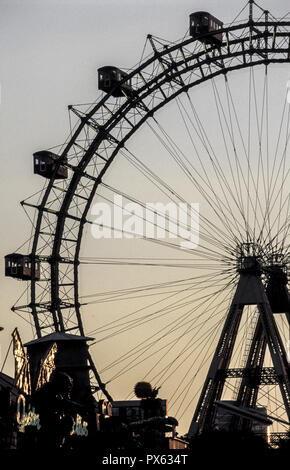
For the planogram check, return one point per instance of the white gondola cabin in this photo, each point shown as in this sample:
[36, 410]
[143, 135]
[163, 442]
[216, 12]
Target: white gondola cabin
[202, 23]
[110, 79]
[45, 164]
[20, 267]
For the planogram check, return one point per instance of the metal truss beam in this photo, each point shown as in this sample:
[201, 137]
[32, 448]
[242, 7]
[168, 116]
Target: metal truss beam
[264, 376]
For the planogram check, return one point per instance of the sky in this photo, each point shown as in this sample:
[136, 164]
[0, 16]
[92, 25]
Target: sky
[50, 51]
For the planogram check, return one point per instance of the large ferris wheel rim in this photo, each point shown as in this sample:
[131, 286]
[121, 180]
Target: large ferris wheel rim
[259, 56]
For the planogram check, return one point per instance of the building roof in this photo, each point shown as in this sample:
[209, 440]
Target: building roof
[9, 382]
[58, 337]
[6, 379]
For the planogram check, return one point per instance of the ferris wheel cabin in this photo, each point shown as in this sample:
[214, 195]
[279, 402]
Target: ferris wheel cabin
[111, 80]
[20, 267]
[202, 23]
[45, 163]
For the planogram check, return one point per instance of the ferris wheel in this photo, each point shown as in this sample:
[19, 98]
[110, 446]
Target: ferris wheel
[167, 186]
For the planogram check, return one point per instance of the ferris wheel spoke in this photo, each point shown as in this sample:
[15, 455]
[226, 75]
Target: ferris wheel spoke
[198, 284]
[201, 183]
[177, 154]
[274, 180]
[273, 238]
[157, 379]
[164, 217]
[234, 195]
[189, 384]
[258, 125]
[161, 285]
[183, 392]
[285, 228]
[283, 173]
[156, 341]
[173, 193]
[222, 116]
[239, 172]
[249, 178]
[204, 234]
[151, 354]
[207, 254]
[206, 221]
[229, 218]
[125, 326]
[176, 306]
[275, 175]
[162, 374]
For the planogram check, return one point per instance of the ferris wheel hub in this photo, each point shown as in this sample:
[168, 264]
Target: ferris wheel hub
[249, 258]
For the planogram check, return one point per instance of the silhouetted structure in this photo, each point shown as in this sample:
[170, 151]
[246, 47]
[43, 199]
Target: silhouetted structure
[20, 266]
[112, 79]
[71, 358]
[56, 411]
[250, 291]
[8, 399]
[201, 23]
[46, 165]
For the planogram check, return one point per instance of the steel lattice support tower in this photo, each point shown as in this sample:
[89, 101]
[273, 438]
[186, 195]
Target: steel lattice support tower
[250, 291]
